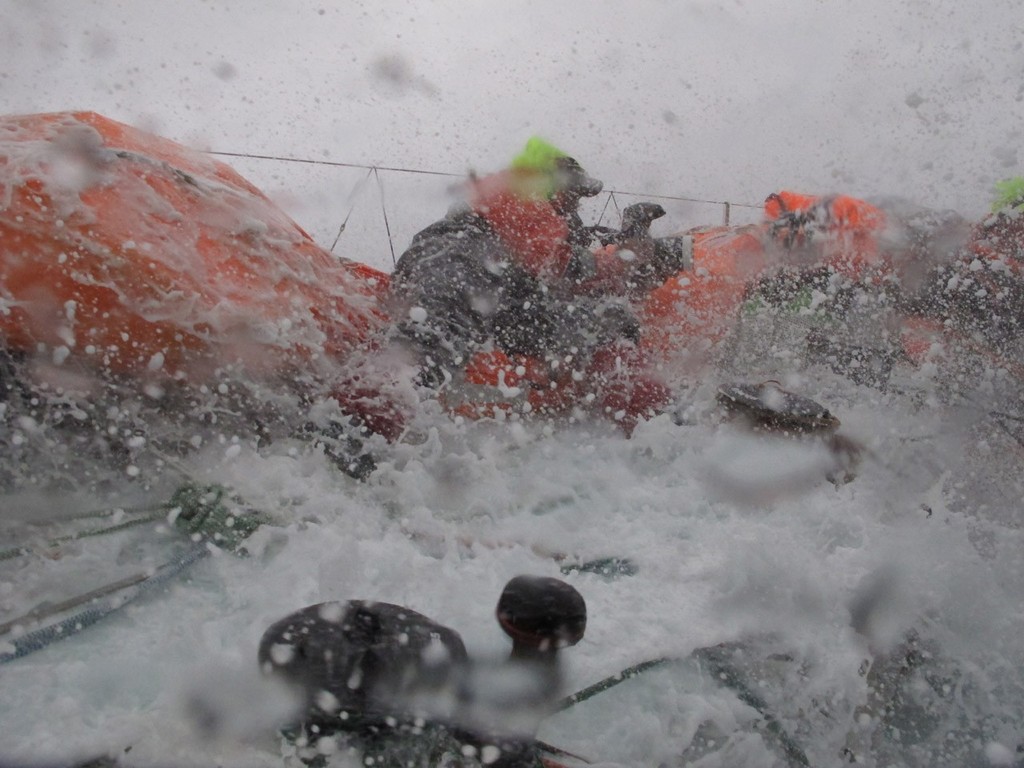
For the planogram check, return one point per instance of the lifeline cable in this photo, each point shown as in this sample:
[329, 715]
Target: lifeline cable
[611, 681]
[148, 518]
[337, 164]
[384, 210]
[712, 656]
[730, 678]
[352, 208]
[202, 514]
[21, 551]
[551, 749]
[150, 512]
[448, 174]
[46, 636]
[50, 609]
[107, 512]
[610, 199]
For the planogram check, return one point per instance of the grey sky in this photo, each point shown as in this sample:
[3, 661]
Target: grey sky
[718, 100]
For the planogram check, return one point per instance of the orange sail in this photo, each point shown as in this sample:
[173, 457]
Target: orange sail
[696, 307]
[127, 253]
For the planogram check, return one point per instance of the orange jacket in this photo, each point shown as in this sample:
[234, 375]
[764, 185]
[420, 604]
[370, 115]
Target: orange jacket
[698, 305]
[784, 201]
[525, 221]
[536, 235]
[851, 226]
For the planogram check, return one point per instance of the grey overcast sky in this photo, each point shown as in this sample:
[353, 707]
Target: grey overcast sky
[724, 100]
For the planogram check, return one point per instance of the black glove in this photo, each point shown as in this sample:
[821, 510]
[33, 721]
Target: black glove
[638, 217]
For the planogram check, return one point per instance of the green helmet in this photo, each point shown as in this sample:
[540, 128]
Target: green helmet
[1011, 195]
[562, 172]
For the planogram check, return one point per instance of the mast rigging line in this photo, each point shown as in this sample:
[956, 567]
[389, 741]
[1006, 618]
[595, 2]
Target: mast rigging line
[448, 174]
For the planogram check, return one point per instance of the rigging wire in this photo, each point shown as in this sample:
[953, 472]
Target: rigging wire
[600, 219]
[335, 163]
[384, 210]
[352, 198]
[449, 174]
[376, 169]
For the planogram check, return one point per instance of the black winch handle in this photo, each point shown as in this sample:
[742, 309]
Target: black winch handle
[542, 615]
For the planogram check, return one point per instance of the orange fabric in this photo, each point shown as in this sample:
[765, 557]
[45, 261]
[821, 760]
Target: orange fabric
[785, 201]
[381, 414]
[527, 223]
[483, 410]
[501, 373]
[495, 368]
[487, 367]
[852, 226]
[536, 235]
[611, 276]
[855, 226]
[125, 251]
[699, 305]
[852, 213]
[625, 388]
[844, 212]
[919, 337]
[615, 385]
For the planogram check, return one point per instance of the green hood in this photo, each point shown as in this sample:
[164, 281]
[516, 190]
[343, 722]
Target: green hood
[1011, 194]
[539, 155]
[555, 170]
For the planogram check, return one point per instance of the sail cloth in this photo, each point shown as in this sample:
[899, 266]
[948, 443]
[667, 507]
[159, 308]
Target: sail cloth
[128, 253]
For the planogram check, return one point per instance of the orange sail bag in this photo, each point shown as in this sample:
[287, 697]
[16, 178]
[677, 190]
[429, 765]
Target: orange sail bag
[124, 252]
